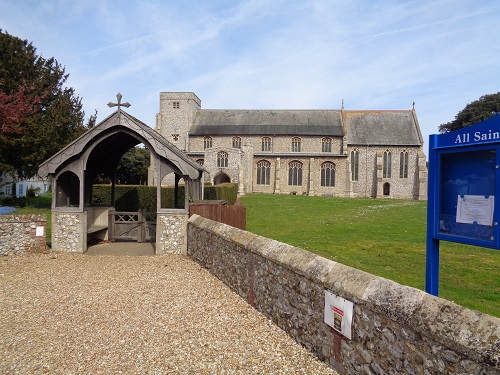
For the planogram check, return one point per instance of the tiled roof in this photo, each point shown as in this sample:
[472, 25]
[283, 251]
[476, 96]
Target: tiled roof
[267, 122]
[382, 128]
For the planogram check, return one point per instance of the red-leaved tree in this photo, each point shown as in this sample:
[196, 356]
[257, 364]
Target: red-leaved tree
[15, 108]
[39, 115]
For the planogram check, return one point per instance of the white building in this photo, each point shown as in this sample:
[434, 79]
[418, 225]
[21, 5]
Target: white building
[20, 189]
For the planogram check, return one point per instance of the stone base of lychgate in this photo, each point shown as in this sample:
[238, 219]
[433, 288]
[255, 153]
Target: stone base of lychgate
[171, 233]
[69, 231]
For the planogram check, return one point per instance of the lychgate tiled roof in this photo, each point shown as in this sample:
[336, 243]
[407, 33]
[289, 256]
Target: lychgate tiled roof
[267, 122]
[111, 138]
[371, 128]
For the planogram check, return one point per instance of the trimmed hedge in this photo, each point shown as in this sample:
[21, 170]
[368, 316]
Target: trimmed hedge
[42, 201]
[135, 197]
[227, 192]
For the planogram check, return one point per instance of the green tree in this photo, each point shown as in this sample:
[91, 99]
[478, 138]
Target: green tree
[133, 167]
[44, 114]
[479, 110]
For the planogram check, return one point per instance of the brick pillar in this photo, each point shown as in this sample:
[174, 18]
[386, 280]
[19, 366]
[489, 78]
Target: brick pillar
[38, 234]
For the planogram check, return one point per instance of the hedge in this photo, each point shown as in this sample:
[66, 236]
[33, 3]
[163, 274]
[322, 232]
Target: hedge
[135, 197]
[226, 191]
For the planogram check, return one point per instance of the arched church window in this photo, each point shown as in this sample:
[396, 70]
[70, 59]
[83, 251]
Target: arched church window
[403, 164]
[207, 142]
[295, 173]
[327, 174]
[387, 162]
[222, 159]
[266, 144]
[236, 142]
[296, 142]
[263, 172]
[326, 145]
[200, 161]
[354, 165]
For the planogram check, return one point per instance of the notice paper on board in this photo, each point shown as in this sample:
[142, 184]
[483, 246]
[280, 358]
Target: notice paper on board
[475, 209]
[338, 313]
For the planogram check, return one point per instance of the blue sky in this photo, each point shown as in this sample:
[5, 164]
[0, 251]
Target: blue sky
[263, 54]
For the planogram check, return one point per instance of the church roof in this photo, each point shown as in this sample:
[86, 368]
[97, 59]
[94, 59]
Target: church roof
[397, 128]
[267, 122]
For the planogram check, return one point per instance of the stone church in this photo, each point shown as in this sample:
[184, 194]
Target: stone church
[341, 153]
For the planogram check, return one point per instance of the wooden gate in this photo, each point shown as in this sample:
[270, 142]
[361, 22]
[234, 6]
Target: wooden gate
[137, 226]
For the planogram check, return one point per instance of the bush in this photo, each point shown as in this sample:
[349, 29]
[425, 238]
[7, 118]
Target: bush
[14, 201]
[32, 192]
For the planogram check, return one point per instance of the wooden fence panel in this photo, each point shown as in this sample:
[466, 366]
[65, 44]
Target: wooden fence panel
[235, 216]
[230, 215]
[211, 212]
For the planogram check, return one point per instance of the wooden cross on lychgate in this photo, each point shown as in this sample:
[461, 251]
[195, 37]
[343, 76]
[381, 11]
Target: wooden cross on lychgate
[119, 103]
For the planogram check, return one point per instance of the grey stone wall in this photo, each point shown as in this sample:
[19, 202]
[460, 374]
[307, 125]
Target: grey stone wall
[279, 144]
[171, 233]
[396, 329]
[18, 233]
[370, 180]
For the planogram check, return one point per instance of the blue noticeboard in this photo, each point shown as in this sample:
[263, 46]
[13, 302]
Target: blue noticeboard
[463, 171]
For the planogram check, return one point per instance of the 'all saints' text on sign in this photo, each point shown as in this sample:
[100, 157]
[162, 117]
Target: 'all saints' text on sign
[477, 137]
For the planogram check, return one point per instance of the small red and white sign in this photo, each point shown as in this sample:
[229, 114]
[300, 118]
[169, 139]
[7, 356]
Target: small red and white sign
[338, 313]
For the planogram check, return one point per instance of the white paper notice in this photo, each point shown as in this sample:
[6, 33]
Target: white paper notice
[39, 231]
[475, 209]
[338, 313]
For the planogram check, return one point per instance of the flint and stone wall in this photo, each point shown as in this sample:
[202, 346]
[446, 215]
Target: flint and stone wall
[69, 231]
[396, 329]
[18, 233]
[171, 233]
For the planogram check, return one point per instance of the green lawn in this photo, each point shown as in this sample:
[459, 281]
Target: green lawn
[380, 236]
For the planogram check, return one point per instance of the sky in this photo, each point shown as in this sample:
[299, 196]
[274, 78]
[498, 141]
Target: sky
[270, 54]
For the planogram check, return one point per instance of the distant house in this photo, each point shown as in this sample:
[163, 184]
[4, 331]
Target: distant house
[6, 185]
[343, 153]
[20, 189]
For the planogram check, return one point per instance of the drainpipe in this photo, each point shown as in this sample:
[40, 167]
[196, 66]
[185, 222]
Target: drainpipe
[366, 171]
[202, 184]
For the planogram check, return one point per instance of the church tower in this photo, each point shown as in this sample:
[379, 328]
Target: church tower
[177, 111]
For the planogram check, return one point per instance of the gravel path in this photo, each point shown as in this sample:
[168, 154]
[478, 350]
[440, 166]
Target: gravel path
[79, 314]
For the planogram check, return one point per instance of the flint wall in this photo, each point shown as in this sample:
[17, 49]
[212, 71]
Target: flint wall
[18, 233]
[396, 329]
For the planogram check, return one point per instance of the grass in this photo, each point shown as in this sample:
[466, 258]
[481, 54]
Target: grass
[380, 236]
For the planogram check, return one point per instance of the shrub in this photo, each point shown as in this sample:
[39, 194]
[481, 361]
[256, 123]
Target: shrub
[226, 191]
[135, 197]
[32, 192]
[14, 201]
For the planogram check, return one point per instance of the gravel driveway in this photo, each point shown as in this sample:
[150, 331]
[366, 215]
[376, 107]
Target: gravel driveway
[80, 314]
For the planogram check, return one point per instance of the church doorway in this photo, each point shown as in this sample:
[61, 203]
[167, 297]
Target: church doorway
[387, 189]
[221, 178]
